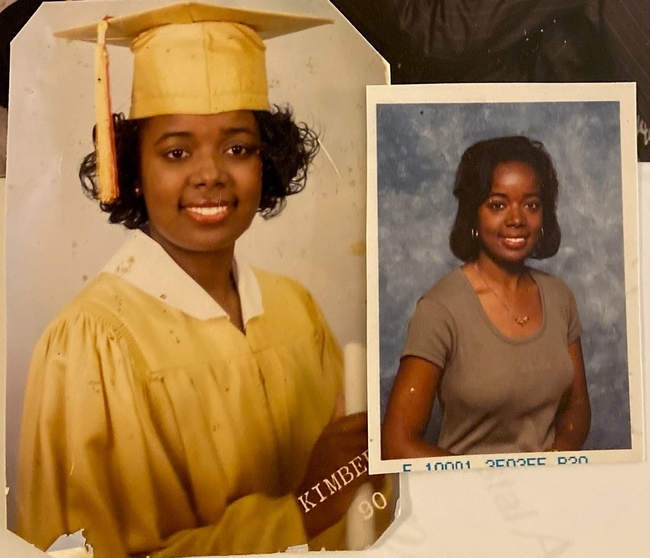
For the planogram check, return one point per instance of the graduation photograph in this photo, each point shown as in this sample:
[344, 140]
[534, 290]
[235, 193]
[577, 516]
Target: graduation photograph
[186, 281]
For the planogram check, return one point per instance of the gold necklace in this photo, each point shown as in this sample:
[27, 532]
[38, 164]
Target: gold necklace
[520, 320]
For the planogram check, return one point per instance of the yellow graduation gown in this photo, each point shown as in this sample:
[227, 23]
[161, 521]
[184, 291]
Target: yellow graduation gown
[165, 435]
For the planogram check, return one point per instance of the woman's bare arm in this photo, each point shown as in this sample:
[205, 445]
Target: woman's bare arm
[409, 409]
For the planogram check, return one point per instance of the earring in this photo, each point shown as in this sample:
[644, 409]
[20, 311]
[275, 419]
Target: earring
[474, 234]
[542, 232]
[138, 191]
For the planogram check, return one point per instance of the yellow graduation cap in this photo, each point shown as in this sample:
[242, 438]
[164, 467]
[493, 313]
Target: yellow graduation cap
[189, 58]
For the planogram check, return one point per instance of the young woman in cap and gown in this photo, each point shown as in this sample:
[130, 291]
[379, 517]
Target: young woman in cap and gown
[183, 402]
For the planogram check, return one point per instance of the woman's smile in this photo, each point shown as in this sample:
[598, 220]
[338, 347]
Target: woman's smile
[208, 213]
[514, 242]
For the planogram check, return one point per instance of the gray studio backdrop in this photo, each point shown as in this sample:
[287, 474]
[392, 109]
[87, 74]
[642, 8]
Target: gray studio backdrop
[418, 149]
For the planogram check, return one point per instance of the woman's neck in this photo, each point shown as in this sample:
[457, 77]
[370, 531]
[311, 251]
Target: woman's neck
[507, 276]
[213, 271]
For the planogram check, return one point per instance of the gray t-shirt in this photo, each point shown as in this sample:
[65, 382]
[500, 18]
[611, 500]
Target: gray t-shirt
[498, 394]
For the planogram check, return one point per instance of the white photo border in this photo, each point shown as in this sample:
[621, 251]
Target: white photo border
[624, 94]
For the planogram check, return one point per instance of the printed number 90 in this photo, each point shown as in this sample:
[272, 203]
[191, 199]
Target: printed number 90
[378, 501]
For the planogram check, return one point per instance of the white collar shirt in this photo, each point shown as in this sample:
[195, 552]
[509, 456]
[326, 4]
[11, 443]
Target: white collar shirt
[143, 263]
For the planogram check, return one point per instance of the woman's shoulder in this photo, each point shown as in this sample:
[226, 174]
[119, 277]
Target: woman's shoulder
[284, 296]
[555, 291]
[270, 279]
[449, 287]
[106, 292]
[83, 324]
[100, 304]
[550, 283]
[289, 307]
[280, 287]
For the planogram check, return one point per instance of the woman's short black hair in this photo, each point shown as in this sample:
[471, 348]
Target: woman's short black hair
[287, 150]
[474, 182]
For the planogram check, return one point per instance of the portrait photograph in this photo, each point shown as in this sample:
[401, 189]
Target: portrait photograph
[119, 429]
[504, 309]
[185, 281]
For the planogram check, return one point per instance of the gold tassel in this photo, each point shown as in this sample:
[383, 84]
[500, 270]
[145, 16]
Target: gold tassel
[105, 136]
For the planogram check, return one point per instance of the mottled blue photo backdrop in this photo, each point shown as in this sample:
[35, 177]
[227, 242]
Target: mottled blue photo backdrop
[418, 149]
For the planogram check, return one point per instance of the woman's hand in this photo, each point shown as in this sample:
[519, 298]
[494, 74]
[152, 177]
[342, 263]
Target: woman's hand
[573, 418]
[409, 409]
[337, 467]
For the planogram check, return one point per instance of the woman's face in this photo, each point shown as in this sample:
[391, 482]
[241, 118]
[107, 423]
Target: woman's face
[510, 219]
[201, 177]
